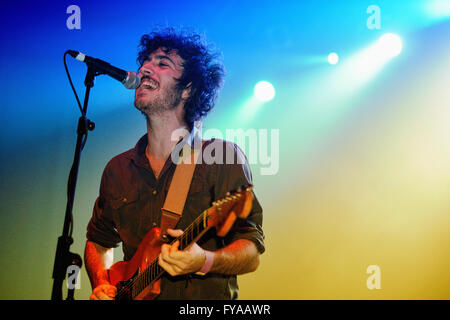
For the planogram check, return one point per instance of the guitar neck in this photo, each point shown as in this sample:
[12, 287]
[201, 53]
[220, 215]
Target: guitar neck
[190, 235]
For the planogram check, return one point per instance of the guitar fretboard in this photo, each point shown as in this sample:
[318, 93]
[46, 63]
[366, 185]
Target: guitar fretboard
[154, 271]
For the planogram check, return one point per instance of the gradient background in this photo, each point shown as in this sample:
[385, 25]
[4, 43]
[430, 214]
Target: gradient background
[364, 169]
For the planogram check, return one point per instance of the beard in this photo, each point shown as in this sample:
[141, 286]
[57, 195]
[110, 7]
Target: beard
[165, 101]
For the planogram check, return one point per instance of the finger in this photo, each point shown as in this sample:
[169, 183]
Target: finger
[93, 297]
[174, 232]
[171, 255]
[176, 264]
[174, 247]
[165, 248]
[166, 266]
[172, 268]
[111, 291]
[102, 296]
[105, 292]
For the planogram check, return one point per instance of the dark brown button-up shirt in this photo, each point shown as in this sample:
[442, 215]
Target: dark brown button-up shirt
[130, 203]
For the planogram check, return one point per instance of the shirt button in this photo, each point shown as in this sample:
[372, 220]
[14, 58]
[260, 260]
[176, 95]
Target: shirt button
[154, 192]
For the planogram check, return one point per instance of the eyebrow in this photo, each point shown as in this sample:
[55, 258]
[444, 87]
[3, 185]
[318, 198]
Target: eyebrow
[165, 57]
[161, 57]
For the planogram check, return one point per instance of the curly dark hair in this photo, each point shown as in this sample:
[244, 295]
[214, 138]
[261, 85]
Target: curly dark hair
[202, 67]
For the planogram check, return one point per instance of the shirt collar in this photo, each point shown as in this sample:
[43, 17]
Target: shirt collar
[193, 138]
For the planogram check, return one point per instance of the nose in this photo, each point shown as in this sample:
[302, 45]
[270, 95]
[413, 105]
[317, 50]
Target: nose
[145, 70]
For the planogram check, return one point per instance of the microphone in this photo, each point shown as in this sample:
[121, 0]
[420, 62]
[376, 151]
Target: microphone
[129, 79]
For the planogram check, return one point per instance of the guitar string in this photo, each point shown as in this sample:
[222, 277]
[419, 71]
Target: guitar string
[153, 267]
[123, 290]
[201, 218]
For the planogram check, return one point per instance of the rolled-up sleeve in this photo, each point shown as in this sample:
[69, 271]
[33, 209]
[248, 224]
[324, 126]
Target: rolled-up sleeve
[101, 228]
[231, 177]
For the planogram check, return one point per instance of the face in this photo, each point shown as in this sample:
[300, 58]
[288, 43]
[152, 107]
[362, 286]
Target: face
[157, 92]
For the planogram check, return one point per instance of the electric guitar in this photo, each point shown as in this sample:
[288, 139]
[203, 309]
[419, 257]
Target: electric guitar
[139, 278]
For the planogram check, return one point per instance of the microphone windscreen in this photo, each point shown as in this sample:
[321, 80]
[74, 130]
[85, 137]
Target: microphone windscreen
[132, 80]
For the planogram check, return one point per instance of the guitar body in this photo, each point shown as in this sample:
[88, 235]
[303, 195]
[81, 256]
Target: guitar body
[139, 278]
[148, 250]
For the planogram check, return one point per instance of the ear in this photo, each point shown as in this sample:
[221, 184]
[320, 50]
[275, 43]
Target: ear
[186, 92]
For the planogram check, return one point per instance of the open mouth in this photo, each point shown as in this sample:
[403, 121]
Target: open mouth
[149, 84]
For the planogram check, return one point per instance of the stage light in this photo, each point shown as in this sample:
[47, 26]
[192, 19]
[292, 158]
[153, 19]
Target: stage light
[358, 69]
[264, 91]
[333, 58]
[438, 8]
[390, 45]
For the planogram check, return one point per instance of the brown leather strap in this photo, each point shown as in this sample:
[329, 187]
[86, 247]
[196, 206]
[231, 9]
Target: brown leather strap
[179, 187]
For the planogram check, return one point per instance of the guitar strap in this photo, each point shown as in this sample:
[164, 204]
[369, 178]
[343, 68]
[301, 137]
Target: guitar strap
[179, 187]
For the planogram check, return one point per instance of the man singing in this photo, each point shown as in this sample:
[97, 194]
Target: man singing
[180, 79]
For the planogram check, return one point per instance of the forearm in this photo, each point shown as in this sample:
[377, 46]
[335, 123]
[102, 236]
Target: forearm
[97, 260]
[239, 257]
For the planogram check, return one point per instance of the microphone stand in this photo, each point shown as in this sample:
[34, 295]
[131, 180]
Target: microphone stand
[63, 257]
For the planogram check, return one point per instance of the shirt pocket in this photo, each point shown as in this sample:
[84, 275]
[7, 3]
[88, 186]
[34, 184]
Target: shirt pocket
[127, 216]
[124, 199]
